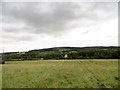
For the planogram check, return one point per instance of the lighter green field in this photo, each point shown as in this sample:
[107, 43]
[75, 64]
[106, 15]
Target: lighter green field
[60, 74]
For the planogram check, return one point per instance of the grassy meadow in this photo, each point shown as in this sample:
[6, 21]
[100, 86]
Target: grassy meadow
[60, 74]
[0, 77]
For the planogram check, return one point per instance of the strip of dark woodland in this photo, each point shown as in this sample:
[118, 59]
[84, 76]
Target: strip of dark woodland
[97, 52]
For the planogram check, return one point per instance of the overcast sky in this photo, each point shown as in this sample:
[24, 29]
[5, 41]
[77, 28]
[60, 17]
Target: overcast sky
[30, 25]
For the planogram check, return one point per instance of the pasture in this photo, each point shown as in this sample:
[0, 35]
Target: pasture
[91, 73]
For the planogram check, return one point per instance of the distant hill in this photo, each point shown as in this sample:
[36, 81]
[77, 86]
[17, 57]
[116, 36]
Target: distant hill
[74, 48]
[97, 52]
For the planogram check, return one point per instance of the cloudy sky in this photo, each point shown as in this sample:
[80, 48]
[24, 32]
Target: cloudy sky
[34, 25]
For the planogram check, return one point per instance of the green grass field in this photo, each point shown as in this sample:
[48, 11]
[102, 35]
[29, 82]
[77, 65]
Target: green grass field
[60, 74]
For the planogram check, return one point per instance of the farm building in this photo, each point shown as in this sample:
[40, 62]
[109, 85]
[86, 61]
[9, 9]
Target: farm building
[66, 56]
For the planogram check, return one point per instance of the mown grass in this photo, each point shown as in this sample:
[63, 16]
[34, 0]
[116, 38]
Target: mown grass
[60, 74]
[0, 77]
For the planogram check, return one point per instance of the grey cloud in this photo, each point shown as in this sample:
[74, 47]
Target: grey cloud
[50, 22]
[10, 38]
[53, 18]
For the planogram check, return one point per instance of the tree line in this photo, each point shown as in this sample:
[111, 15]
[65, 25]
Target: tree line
[80, 54]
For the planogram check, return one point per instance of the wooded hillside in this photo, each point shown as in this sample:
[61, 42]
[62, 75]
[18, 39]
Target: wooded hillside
[65, 53]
